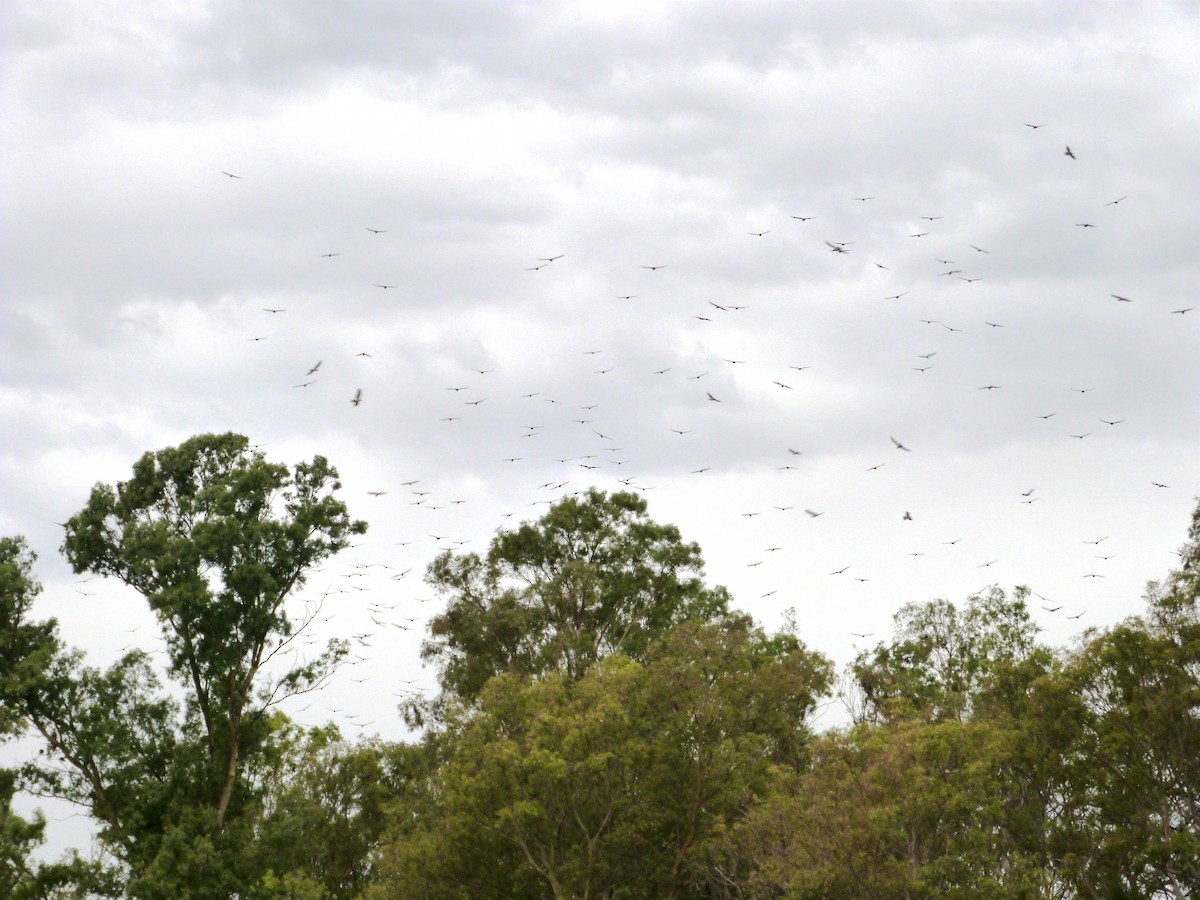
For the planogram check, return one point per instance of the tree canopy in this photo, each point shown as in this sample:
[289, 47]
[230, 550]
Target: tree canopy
[216, 539]
[607, 726]
[594, 576]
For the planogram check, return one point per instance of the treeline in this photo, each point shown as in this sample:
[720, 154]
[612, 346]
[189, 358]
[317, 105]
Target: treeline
[607, 726]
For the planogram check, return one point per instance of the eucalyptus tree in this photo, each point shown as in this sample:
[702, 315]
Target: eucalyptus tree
[216, 539]
[594, 576]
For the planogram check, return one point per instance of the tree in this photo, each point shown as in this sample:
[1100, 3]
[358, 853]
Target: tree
[612, 784]
[1130, 818]
[216, 539]
[325, 811]
[594, 576]
[942, 660]
[20, 875]
[908, 809]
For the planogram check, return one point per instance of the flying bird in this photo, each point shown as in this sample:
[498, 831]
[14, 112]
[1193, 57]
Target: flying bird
[803, 218]
[1069, 153]
[837, 248]
[357, 397]
[652, 268]
[314, 368]
[759, 233]
[231, 175]
[900, 446]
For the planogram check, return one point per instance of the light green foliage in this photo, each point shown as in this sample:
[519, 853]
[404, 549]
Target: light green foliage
[1130, 820]
[909, 810]
[612, 783]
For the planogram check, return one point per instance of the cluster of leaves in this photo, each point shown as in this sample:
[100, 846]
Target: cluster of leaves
[606, 727]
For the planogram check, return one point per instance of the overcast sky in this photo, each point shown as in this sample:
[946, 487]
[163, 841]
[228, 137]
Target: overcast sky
[973, 318]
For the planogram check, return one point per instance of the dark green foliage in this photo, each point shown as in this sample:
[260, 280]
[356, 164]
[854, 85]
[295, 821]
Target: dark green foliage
[216, 539]
[594, 576]
[607, 728]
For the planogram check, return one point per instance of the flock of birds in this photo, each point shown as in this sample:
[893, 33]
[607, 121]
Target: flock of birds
[583, 447]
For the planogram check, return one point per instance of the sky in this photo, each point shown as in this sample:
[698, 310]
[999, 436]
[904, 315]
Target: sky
[564, 245]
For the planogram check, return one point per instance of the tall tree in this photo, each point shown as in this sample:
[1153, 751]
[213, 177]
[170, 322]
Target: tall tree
[594, 576]
[216, 539]
[21, 646]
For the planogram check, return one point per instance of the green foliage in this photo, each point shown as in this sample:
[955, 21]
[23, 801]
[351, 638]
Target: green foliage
[216, 539]
[908, 810]
[594, 576]
[612, 783]
[1130, 823]
[326, 811]
[607, 727]
[941, 659]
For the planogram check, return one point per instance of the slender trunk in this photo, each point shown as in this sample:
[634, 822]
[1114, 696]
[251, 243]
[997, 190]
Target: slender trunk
[230, 770]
